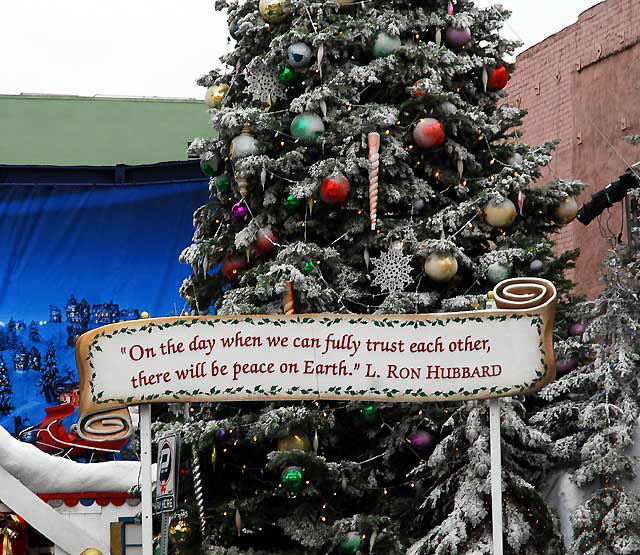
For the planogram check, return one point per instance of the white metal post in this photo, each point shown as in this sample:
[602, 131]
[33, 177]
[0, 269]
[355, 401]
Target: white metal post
[145, 478]
[496, 474]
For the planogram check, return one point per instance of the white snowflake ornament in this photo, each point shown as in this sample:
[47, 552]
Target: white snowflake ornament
[262, 82]
[391, 270]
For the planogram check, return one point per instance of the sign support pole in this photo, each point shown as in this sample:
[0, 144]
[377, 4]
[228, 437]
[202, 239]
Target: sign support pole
[145, 479]
[496, 474]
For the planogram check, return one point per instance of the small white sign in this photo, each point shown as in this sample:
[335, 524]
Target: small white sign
[166, 481]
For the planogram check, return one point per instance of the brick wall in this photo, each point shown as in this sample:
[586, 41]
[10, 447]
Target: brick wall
[582, 86]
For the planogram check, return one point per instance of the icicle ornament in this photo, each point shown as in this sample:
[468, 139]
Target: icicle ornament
[373, 141]
[485, 78]
[263, 177]
[438, 36]
[450, 10]
[238, 521]
[520, 202]
[288, 301]
[320, 58]
[197, 486]
[243, 185]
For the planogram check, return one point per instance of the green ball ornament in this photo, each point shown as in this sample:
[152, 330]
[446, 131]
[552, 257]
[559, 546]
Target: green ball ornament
[292, 479]
[385, 45]
[212, 166]
[352, 544]
[498, 272]
[292, 203]
[369, 414]
[287, 76]
[308, 127]
[309, 266]
[223, 183]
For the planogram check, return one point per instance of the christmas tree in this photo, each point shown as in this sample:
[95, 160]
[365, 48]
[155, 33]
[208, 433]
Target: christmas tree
[594, 408]
[6, 394]
[48, 382]
[34, 332]
[365, 165]
[34, 359]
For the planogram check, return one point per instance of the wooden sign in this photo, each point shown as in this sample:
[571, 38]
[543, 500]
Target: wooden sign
[411, 358]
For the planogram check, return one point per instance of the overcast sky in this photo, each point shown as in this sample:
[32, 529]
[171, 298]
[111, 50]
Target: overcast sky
[159, 47]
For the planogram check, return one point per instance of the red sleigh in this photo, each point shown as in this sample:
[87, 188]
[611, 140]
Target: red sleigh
[51, 437]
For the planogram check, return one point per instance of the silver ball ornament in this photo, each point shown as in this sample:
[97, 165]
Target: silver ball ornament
[536, 266]
[448, 108]
[385, 45]
[515, 159]
[500, 214]
[244, 144]
[298, 55]
[418, 205]
[498, 272]
[441, 266]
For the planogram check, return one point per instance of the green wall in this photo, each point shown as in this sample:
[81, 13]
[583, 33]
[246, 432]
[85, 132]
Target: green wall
[72, 130]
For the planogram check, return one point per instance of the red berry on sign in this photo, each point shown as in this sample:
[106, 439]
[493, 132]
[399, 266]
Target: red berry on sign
[266, 242]
[232, 265]
[498, 79]
[335, 189]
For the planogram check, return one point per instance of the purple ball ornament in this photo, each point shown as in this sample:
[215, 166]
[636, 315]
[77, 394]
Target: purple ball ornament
[222, 434]
[566, 365]
[577, 329]
[239, 212]
[421, 441]
[457, 38]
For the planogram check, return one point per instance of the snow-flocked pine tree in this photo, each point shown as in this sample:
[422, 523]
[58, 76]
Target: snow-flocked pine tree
[295, 104]
[49, 380]
[593, 413]
[34, 332]
[6, 393]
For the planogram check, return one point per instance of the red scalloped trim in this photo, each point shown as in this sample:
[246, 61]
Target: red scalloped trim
[102, 499]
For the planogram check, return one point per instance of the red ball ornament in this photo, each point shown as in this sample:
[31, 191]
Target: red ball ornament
[498, 79]
[429, 133]
[232, 265]
[418, 92]
[335, 189]
[265, 242]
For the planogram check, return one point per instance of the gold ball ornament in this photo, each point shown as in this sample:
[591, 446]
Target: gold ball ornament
[91, 551]
[215, 95]
[180, 532]
[566, 211]
[144, 315]
[274, 11]
[297, 440]
[500, 214]
[441, 266]
[344, 3]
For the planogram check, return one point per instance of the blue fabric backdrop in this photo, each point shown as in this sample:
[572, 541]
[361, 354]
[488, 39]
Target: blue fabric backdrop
[108, 244]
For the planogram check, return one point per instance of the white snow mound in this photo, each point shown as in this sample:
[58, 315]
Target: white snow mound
[44, 473]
